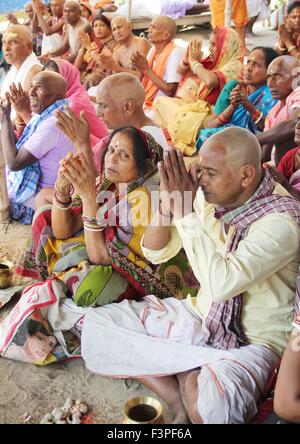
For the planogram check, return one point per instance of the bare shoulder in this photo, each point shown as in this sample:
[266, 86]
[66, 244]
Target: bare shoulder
[143, 45]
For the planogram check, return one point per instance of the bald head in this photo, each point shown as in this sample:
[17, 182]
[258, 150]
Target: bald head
[17, 44]
[72, 4]
[46, 88]
[238, 145]
[123, 86]
[21, 31]
[285, 63]
[230, 163]
[53, 81]
[120, 99]
[282, 77]
[166, 24]
[120, 20]
[121, 29]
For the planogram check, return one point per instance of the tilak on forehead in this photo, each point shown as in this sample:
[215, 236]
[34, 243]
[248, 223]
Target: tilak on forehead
[10, 35]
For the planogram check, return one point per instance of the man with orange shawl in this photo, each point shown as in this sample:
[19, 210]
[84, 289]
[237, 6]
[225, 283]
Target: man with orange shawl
[239, 16]
[203, 80]
[159, 69]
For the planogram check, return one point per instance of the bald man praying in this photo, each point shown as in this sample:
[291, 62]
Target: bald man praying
[33, 160]
[209, 357]
[159, 69]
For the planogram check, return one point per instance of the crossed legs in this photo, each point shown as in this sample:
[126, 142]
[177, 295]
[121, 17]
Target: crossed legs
[180, 392]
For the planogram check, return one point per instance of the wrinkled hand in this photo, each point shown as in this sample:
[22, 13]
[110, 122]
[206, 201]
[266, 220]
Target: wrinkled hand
[277, 176]
[77, 172]
[195, 51]
[62, 184]
[44, 58]
[174, 178]
[75, 128]
[238, 96]
[139, 62]
[107, 61]
[12, 18]
[84, 39]
[5, 110]
[19, 99]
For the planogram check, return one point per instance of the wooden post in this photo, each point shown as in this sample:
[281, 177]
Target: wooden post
[4, 202]
[129, 10]
[228, 9]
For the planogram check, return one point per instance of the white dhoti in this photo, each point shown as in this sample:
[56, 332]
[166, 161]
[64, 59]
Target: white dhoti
[156, 337]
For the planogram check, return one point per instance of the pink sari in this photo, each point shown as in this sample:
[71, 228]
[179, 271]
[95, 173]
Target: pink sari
[80, 101]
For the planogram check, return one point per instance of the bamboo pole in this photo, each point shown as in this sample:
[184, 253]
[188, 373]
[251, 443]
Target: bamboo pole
[228, 10]
[4, 201]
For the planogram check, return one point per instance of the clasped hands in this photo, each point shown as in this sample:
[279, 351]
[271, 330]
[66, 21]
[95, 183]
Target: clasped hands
[74, 170]
[238, 96]
[178, 187]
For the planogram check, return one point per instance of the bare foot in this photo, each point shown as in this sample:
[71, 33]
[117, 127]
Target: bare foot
[179, 413]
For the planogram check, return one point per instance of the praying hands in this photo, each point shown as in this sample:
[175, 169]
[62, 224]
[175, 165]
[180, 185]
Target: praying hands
[76, 171]
[139, 62]
[19, 99]
[178, 187]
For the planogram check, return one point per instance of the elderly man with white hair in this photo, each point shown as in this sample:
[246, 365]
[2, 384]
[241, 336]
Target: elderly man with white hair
[17, 49]
[209, 357]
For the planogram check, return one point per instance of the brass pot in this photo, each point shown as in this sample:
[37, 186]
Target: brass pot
[6, 273]
[143, 410]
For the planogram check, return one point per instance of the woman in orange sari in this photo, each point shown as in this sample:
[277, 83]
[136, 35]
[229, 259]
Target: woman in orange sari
[203, 80]
[87, 61]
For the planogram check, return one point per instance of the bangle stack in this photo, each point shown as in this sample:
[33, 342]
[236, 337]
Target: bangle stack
[60, 204]
[222, 119]
[19, 123]
[90, 224]
[62, 201]
[195, 65]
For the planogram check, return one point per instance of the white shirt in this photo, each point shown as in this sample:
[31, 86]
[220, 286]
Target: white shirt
[174, 60]
[263, 268]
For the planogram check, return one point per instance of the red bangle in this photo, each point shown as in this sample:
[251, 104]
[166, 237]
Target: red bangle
[255, 115]
[222, 119]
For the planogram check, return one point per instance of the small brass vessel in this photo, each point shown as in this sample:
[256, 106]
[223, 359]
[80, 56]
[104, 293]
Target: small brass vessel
[6, 273]
[143, 410]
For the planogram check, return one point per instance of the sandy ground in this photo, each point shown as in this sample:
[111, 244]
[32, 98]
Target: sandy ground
[37, 390]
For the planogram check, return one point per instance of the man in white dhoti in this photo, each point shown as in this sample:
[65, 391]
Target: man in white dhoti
[209, 357]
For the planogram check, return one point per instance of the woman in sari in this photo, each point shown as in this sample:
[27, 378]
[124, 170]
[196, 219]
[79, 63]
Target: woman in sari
[289, 32]
[87, 61]
[190, 110]
[78, 98]
[97, 247]
[88, 250]
[247, 103]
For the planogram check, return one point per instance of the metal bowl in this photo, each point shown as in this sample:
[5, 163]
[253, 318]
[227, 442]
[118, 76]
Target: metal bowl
[6, 273]
[143, 410]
